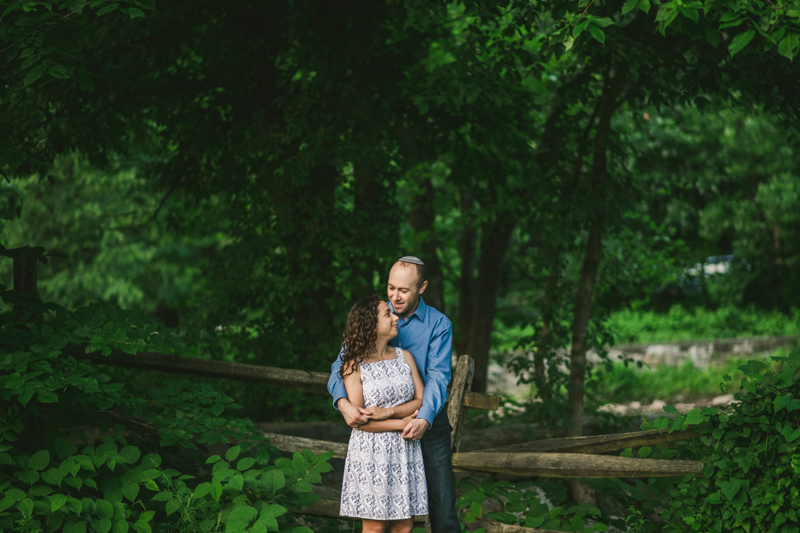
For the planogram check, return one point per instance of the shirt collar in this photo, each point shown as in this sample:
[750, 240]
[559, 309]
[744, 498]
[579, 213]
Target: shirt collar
[421, 311]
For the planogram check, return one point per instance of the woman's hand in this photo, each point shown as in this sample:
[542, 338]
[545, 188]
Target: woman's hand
[409, 418]
[378, 413]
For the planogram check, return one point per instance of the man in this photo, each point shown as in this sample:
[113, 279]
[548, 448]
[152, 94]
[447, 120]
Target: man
[427, 335]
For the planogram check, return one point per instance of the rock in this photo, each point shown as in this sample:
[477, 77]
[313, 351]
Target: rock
[635, 405]
[657, 406]
[725, 399]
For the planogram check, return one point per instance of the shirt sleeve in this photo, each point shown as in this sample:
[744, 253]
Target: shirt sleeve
[335, 383]
[437, 371]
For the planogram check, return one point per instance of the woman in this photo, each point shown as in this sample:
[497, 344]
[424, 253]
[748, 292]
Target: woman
[384, 478]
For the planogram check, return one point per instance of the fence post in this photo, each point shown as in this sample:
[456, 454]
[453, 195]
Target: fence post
[462, 382]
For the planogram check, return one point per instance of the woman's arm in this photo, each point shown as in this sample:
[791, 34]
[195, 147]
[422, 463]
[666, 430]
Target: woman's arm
[403, 410]
[355, 395]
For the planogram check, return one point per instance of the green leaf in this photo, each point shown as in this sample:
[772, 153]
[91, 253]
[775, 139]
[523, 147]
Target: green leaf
[130, 453]
[151, 460]
[790, 435]
[603, 22]
[133, 12]
[7, 502]
[83, 331]
[60, 71]
[216, 491]
[302, 529]
[597, 33]
[694, 417]
[75, 527]
[691, 14]
[712, 36]
[131, 491]
[741, 40]
[173, 505]
[644, 5]
[788, 45]
[40, 460]
[245, 463]
[645, 451]
[233, 453]
[108, 9]
[274, 479]
[629, 5]
[162, 496]
[75, 6]
[201, 490]
[730, 488]
[104, 509]
[57, 501]
[53, 477]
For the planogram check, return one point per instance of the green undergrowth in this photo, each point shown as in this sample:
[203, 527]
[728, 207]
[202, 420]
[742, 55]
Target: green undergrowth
[620, 383]
[679, 324]
[80, 452]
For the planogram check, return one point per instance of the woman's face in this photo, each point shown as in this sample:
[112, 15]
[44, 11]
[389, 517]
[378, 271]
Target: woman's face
[387, 322]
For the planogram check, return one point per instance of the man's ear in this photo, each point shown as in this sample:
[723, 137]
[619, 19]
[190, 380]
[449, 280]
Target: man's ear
[423, 287]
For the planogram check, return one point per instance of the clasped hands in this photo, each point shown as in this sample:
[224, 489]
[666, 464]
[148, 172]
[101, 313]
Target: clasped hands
[356, 416]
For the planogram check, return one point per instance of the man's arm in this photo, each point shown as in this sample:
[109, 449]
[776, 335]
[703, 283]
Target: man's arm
[437, 377]
[353, 415]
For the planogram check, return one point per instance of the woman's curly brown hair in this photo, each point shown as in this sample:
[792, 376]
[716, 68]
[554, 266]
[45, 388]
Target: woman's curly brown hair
[360, 334]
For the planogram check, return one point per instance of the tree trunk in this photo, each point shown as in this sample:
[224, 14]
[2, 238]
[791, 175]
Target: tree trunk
[591, 259]
[466, 282]
[495, 237]
[422, 218]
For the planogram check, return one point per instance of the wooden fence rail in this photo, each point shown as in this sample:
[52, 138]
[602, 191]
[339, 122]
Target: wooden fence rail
[302, 380]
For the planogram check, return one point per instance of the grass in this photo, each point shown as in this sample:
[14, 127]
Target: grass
[679, 324]
[685, 383]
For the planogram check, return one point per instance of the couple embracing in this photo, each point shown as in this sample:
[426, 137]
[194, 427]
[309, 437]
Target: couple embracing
[390, 384]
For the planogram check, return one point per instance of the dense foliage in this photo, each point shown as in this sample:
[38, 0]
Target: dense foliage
[79, 452]
[751, 456]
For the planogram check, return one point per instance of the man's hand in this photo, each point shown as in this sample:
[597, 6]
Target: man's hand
[415, 427]
[353, 415]
[378, 413]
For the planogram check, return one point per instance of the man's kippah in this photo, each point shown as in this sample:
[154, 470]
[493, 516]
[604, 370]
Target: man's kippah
[411, 259]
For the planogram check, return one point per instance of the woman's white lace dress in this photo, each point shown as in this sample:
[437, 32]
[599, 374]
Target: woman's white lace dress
[384, 477]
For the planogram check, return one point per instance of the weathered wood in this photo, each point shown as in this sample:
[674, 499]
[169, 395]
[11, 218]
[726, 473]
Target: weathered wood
[314, 382]
[479, 400]
[287, 443]
[460, 383]
[566, 465]
[598, 443]
[330, 509]
[303, 380]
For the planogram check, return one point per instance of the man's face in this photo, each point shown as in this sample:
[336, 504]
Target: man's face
[403, 290]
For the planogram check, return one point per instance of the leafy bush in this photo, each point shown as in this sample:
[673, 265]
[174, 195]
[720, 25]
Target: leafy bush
[149, 470]
[522, 504]
[751, 454]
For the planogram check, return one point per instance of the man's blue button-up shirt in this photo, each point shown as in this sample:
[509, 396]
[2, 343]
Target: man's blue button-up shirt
[428, 335]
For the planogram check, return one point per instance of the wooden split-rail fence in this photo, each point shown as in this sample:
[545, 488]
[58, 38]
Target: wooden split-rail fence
[570, 457]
